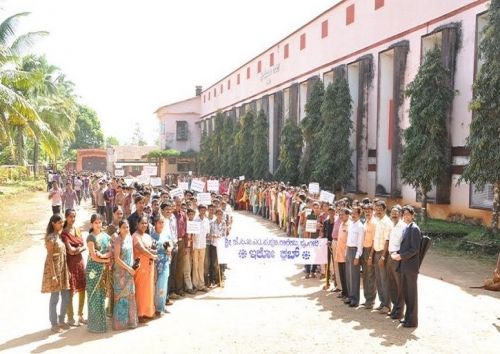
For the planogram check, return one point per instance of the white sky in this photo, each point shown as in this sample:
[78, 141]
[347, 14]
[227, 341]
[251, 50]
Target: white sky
[128, 58]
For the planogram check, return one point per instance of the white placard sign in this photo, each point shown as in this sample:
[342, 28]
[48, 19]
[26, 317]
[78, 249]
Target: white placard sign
[150, 170]
[190, 173]
[119, 173]
[155, 181]
[242, 178]
[325, 196]
[213, 185]
[128, 181]
[143, 179]
[184, 186]
[193, 227]
[204, 199]
[197, 185]
[311, 225]
[314, 188]
[177, 192]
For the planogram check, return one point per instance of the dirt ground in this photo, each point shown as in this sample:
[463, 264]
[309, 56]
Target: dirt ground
[264, 308]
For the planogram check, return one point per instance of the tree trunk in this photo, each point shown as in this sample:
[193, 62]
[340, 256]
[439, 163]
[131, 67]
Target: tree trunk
[424, 206]
[20, 147]
[36, 155]
[496, 207]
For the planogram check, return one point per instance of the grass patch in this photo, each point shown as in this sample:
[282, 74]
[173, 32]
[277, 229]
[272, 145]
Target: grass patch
[9, 189]
[453, 238]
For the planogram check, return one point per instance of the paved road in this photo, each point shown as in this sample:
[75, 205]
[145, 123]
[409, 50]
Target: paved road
[262, 309]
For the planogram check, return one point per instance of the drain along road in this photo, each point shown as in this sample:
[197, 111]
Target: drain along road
[265, 308]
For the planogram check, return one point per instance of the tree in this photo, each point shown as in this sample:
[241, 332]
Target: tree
[424, 156]
[290, 153]
[311, 128]
[217, 144]
[227, 145]
[260, 158]
[112, 141]
[88, 133]
[206, 155]
[245, 144]
[138, 135]
[333, 167]
[483, 141]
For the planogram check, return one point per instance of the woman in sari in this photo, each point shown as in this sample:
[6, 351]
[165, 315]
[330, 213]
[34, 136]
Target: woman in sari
[144, 277]
[72, 238]
[55, 274]
[161, 235]
[124, 309]
[99, 245]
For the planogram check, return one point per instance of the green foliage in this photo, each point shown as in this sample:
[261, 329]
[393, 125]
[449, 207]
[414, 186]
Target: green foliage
[260, 158]
[13, 173]
[217, 144]
[88, 133]
[112, 141]
[244, 141]
[290, 152]
[483, 140]
[424, 156]
[206, 156]
[333, 167]
[311, 128]
[229, 153]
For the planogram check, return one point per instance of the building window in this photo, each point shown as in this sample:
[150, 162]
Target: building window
[204, 98]
[379, 4]
[349, 14]
[271, 59]
[286, 51]
[238, 79]
[181, 130]
[221, 88]
[302, 41]
[172, 160]
[248, 73]
[229, 84]
[209, 96]
[259, 66]
[215, 92]
[324, 29]
[481, 199]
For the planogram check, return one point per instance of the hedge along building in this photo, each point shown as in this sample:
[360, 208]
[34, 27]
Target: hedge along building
[378, 46]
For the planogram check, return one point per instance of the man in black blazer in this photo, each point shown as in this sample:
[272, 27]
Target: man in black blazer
[409, 255]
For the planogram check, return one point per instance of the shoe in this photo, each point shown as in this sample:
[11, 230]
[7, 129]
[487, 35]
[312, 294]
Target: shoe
[72, 323]
[409, 325]
[384, 310]
[313, 275]
[191, 291]
[203, 290]
[82, 321]
[169, 303]
[368, 306]
[395, 316]
[347, 301]
[340, 296]
[353, 305]
[174, 296]
[64, 326]
[56, 329]
[336, 290]
[181, 293]
[308, 276]
[402, 321]
[379, 308]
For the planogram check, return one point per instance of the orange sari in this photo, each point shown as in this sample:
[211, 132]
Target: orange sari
[144, 277]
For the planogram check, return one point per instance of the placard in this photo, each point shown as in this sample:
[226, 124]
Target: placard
[190, 173]
[314, 188]
[149, 170]
[155, 181]
[143, 179]
[193, 227]
[128, 181]
[184, 186]
[204, 199]
[213, 185]
[311, 225]
[176, 192]
[325, 196]
[242, 178]
[197, 185]
[119, 173]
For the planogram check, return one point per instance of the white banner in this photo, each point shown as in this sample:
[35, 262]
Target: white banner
[193, 227]
[242, 178]
[155, 181]
[314, 188]
[203, 199]
[325, 196]
[184, 186]
[177, 192]
[143, 179]
[272, 249]
[213, 185]
[197, 185]
[119, 173]
[149, 170]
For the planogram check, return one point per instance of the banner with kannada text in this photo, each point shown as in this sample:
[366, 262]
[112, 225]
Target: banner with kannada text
[236, 249]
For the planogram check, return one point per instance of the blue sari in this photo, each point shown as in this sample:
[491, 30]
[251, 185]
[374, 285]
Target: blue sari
[162, 268]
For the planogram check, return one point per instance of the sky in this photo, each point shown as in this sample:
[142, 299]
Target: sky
[127, 58]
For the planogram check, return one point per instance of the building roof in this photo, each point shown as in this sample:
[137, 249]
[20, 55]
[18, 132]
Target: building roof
[132, 152]
[175, 103]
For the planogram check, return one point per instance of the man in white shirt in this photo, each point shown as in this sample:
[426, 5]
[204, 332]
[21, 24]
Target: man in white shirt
[355, 237]
[392, 265]
[199, 247]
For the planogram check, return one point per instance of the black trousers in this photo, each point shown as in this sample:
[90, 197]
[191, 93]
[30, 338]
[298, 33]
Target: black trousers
[395, 292]
[173, 266]
[410, 296]
[213, 271]
[343, 278]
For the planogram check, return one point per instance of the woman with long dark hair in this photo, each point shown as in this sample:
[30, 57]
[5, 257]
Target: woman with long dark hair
[99, 245]
[55, 273]
[72, 238]
[124, 309]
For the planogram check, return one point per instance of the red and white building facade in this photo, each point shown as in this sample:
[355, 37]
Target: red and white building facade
[378, 46]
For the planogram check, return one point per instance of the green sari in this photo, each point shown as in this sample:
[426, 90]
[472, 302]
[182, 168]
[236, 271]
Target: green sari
[97, 279]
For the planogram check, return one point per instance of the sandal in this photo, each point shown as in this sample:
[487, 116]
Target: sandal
[56, 329]
[82, 321]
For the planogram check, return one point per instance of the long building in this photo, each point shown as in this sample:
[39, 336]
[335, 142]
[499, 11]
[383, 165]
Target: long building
[378, 46]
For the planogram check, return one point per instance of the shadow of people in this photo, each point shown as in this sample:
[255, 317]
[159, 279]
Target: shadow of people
[300, 280]
[26, 339]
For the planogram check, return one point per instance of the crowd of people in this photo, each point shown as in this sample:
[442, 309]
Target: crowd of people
[141, 256]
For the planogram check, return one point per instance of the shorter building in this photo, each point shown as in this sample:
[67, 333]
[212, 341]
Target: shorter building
[129, 160]
[93, 160]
